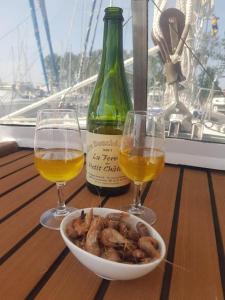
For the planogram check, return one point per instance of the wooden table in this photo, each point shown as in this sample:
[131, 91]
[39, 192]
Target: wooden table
[35, 263]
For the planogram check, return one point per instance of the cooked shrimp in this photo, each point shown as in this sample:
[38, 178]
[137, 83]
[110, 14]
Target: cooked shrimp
[138, 254]
[111, 254]
[80, 243]
[70, 231]
[142, 229]
[79, 227]
[88, 218]
[128, 232]
[146, 260]
[145, 243]
[112, 223]
[91, 244]
[117, 216]
[123, 229]
[112, 238]
[133, 235]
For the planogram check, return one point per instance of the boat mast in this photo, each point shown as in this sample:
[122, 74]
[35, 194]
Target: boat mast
[38, 40]
[47, 30]
[80, 72]
[95, 30]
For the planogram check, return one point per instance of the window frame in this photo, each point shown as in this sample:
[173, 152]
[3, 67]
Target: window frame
[178, 151]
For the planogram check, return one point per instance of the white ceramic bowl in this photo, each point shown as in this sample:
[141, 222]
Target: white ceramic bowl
[105, 268]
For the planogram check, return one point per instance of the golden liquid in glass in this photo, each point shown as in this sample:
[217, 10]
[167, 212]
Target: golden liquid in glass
[59, 165]
[142, 165]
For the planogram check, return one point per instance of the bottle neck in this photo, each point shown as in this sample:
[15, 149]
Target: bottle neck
[112, 55]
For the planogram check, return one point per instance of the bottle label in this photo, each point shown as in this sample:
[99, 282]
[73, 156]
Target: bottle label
[102, 160]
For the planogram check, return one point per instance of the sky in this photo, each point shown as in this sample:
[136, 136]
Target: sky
[19, 58]
[68, 21]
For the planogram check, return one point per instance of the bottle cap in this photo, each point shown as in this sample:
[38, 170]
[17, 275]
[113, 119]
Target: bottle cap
[113, 13]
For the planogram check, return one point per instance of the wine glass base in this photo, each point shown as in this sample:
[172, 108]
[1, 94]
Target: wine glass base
[53, 217]
[145, 213]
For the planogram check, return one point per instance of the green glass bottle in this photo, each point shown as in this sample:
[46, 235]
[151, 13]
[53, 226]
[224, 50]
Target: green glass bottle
[107, 111]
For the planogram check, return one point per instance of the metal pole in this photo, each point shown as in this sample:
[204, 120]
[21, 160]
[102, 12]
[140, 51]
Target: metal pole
[38, 40]
[140, 52]
[47, 30]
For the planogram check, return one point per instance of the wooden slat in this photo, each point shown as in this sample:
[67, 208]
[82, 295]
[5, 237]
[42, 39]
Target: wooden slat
[10, 182]
[216, 184]
[14, 229]
[39, 265]
[218, 179]
[8, 147]
[18, 197]
[75, 285]
[161, 198]
[38, 254]
[14, 156]
[15, 166]
[32, 260]
[195, 244]
[71, 281]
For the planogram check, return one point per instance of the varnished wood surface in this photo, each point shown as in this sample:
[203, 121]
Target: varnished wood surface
[35, 264]
[7, 148]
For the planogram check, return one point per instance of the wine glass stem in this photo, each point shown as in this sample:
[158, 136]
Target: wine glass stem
[61, 203]
[137, 195]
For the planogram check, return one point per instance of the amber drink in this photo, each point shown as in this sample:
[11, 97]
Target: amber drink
[142, 168]
[141, 155]
[58, 156]
[56, 166]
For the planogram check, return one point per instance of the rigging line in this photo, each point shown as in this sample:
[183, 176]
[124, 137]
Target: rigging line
[36, 58]
[97, 56]
[86, 40]
[14, 28]
[31, 64]
[95, 30]
[68, 37]
[189, 48]
[93, 39]
[127, 21]
[71, 88]
[69, 34]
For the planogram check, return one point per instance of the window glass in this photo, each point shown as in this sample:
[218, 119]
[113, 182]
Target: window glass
[194, 105]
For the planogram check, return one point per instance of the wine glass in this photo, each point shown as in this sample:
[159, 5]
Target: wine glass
[58, 156]
[141, 155]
